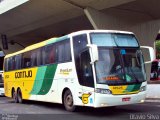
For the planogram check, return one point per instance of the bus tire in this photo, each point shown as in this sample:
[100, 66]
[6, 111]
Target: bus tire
[14, 94]
[19, 96]
[68, 101]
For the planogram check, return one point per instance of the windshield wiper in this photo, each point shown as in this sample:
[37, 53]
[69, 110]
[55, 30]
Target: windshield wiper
[115, 41]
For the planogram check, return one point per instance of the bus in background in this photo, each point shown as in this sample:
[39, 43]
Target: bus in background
[1, 73]
[96, 68]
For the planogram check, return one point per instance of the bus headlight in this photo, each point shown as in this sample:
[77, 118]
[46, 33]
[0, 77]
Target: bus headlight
[143, 88]
[103, 91]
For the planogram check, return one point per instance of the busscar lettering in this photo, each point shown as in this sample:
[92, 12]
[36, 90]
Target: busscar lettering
[23, 74]
[116, 87]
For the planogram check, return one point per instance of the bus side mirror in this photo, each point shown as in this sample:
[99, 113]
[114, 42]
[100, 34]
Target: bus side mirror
[94, 52]
[151, 52]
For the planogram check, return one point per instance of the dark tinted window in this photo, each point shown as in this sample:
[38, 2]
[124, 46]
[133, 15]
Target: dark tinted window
[43, 56]
[60, 52]
[39, 56]
[50, 54]
[18, 61]
[79, 44]
[55, 53]
[1, 63]
[11, 63]
[67, 51]
[6, 65]
[26, 60]
[34, 58]
[63, 51]
[86, 69]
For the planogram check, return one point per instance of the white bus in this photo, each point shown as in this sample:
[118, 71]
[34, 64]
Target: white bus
[96, 68]
[1, 73]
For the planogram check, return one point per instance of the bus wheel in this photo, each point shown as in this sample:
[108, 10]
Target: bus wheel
[19, 96]
[68, 101]
[15, 96]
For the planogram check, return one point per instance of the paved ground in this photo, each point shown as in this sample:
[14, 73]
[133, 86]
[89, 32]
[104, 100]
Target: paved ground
[32, 110]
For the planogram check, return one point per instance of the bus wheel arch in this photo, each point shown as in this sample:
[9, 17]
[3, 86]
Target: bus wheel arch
[19, 95]
[67, 99]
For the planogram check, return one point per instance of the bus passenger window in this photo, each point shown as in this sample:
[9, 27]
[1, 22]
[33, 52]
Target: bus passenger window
[52, 55]
[18, 62]
[34, 58]
[49, 54]
[39, 57]
[67, 51]
[26, 60]
[43, 56]
[6, 65]
[60, 53]
[13, 63]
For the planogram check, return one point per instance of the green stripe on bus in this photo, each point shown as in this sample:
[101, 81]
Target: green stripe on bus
[53, 40]
[137, 87]
[48, 79]
[39, 80]
[129, 88]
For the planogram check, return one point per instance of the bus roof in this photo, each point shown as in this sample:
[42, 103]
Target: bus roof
[53, 40]
[99, 31]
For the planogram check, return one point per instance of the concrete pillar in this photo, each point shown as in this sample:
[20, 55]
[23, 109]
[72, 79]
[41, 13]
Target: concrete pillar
[145, 27]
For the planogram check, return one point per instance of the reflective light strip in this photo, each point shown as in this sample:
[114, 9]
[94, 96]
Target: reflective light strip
[7, 5]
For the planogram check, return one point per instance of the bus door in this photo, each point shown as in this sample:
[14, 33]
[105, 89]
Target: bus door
[83, 69]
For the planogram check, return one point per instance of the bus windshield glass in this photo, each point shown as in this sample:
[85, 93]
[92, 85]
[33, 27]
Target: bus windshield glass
[119, 65]
[114, 39]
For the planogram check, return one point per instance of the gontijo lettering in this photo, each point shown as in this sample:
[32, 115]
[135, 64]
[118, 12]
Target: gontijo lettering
[23, 74]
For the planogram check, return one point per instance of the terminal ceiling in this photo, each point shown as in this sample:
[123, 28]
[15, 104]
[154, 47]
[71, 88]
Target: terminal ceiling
[38, 20]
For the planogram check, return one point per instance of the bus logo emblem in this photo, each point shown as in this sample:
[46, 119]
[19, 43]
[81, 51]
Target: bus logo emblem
[85, 98]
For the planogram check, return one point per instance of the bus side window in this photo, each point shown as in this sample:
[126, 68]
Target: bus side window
[63, 51]
[60, 52]
[9, 64]
[26, 60]
[34, 58]
[6, 65]
[43, 56]
[12, 63]
[52, 54]
[10, 67]
[67, 51]
[18, 62]
[39, 56]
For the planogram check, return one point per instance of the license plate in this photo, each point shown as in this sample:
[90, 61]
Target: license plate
[126, 99]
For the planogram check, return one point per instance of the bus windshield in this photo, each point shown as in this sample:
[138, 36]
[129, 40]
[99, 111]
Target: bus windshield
[119, 65]
[114, 39]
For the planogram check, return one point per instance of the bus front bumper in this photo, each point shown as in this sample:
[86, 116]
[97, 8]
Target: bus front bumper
[104, 100]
